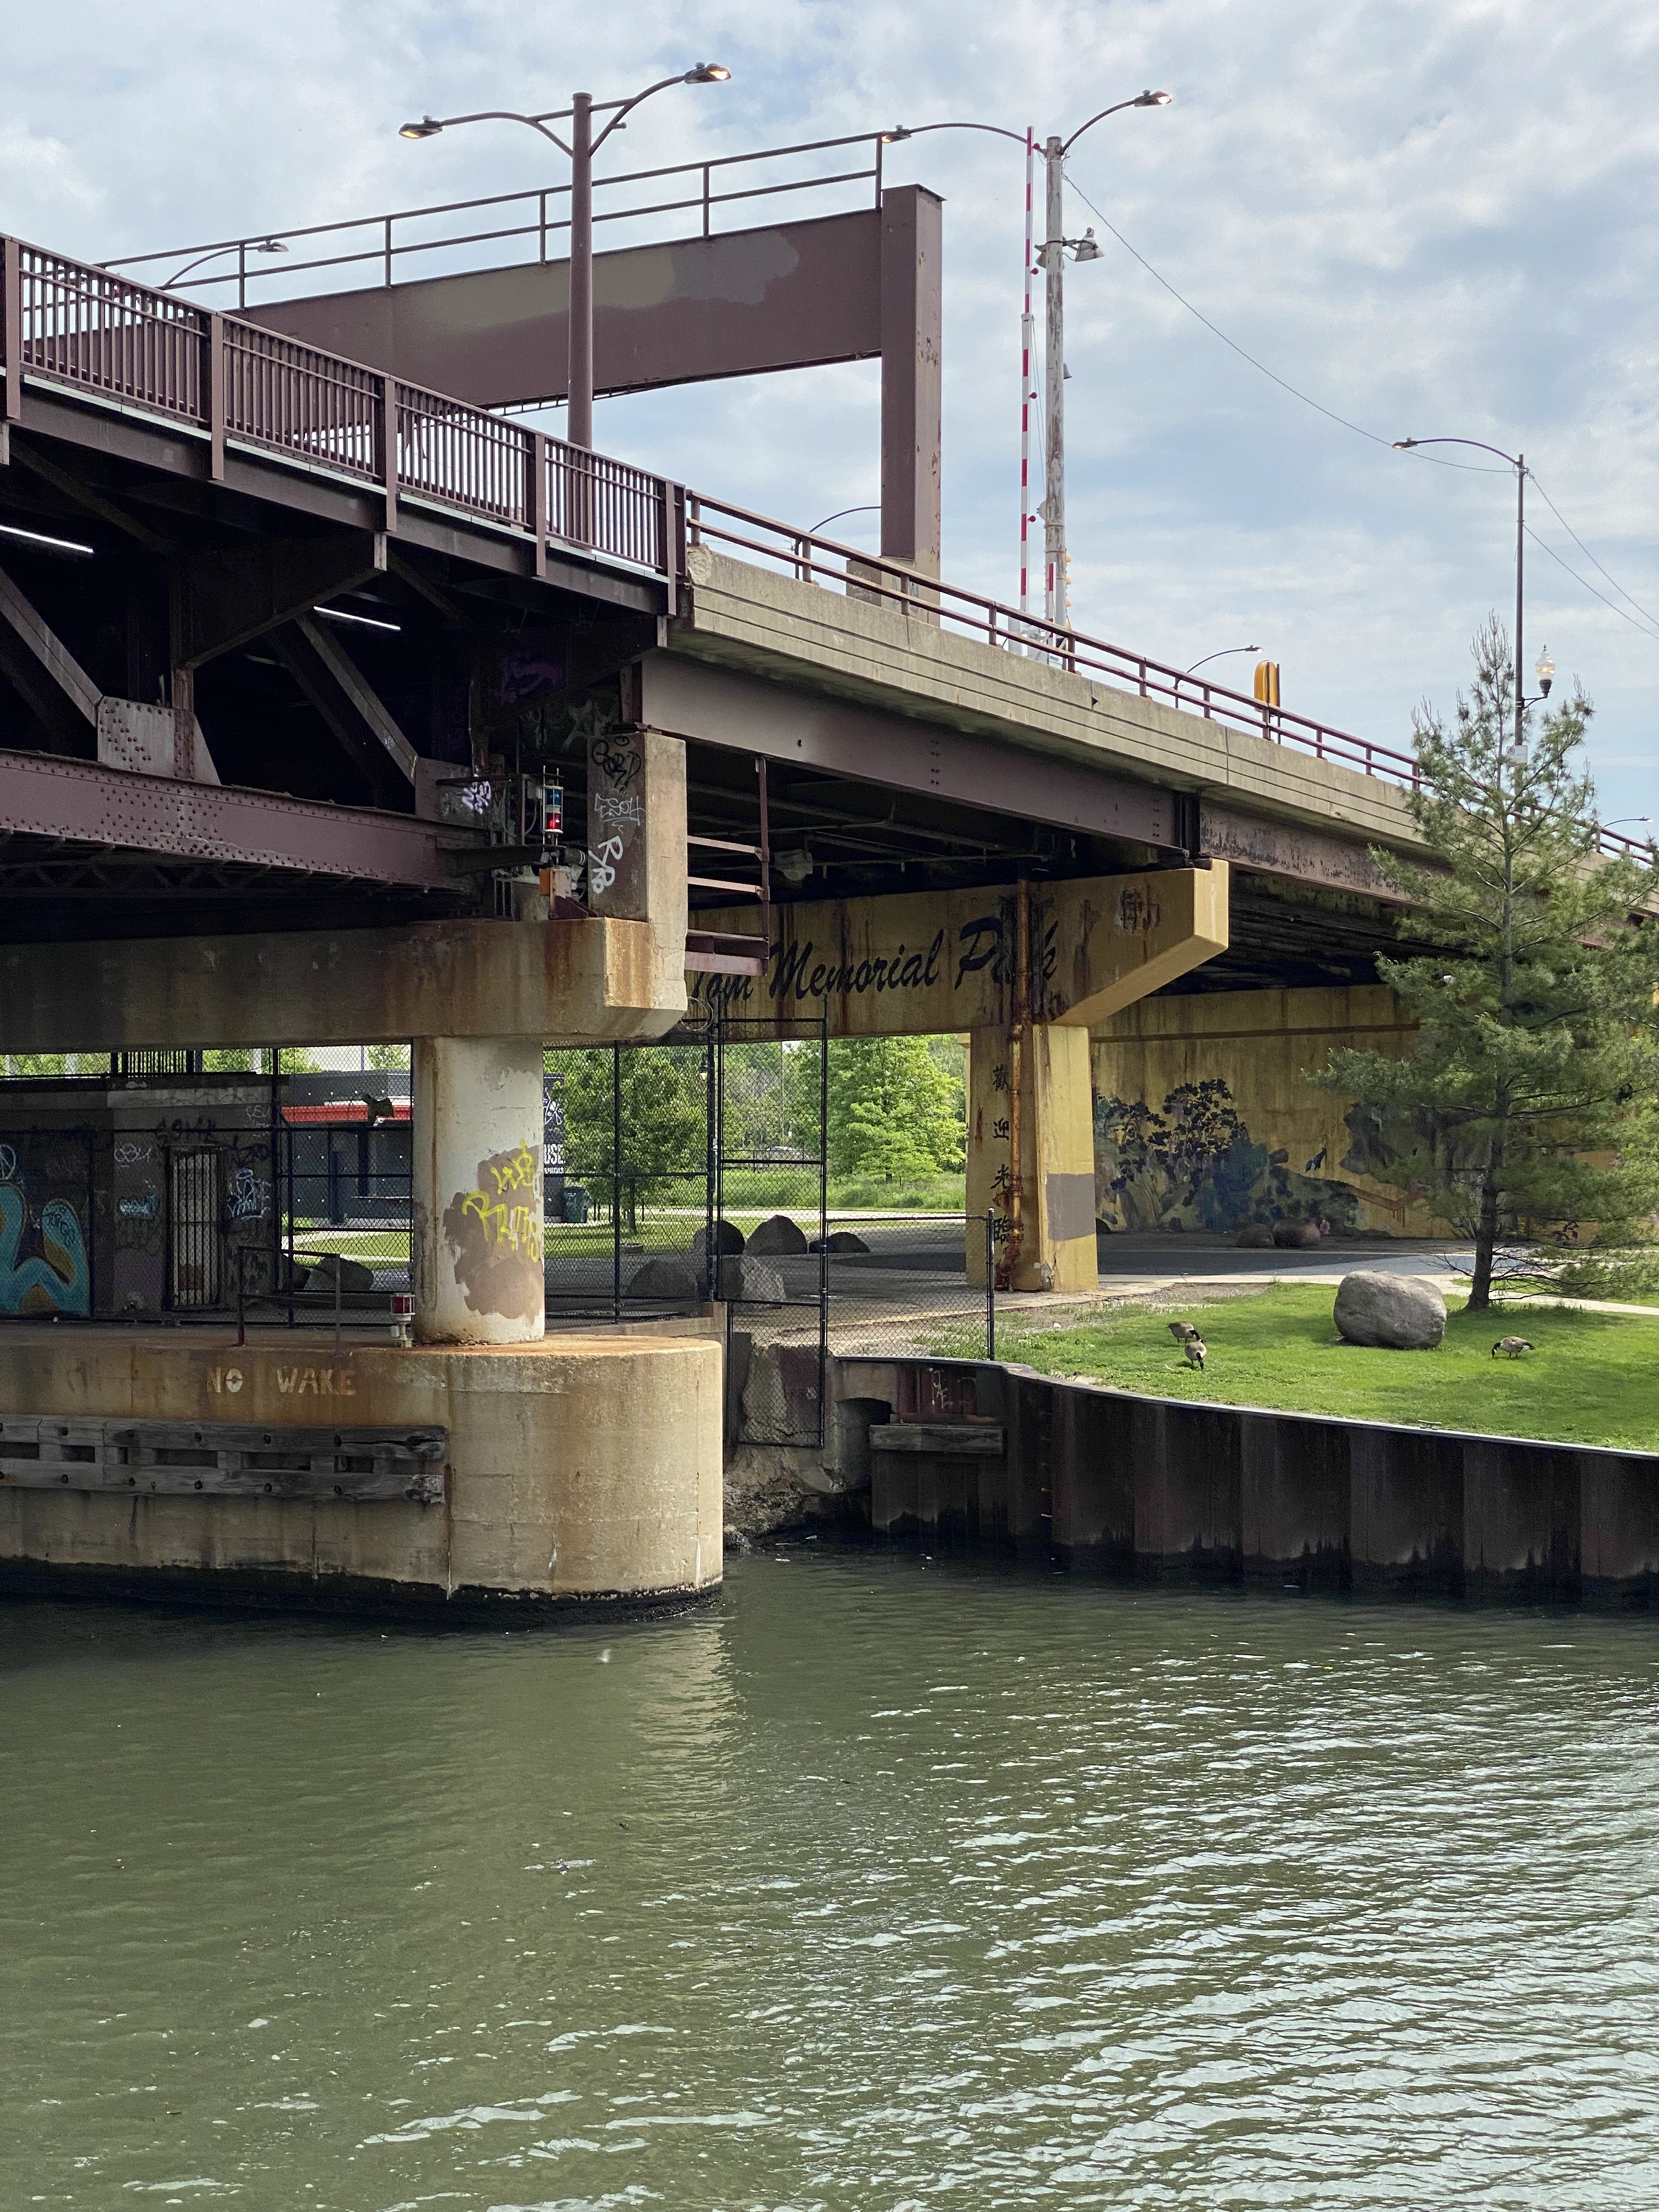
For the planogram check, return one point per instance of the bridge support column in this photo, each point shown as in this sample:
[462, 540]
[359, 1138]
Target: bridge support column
[1054, 1248]
[476, 1241]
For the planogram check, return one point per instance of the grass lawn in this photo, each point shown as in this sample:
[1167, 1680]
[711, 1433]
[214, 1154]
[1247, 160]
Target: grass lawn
[1593, 1379]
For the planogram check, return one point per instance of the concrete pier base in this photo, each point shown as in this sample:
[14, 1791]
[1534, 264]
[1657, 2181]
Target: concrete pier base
[476, 1258]
[581, 1466]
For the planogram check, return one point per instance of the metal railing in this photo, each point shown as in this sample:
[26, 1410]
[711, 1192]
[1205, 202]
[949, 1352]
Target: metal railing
[383, 241]
[64, 324]
[810, 558]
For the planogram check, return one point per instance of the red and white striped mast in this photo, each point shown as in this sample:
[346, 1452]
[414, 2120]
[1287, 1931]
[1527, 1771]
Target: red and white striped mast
[1025, 330]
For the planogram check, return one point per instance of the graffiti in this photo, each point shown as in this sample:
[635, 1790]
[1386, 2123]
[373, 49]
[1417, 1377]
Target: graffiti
[630, 808]
[249, 1198]
[495, 1235]
[139, 1209]
[8, 1164]
[55, 1279]
[133, 1155]
[620, 764]
[1138, 911]
[517, 1172]
[601, 870]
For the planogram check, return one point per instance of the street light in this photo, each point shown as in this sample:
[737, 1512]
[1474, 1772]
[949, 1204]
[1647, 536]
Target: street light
[1517, 755]
[580, 149]
[1050, 259]
[1225, 650]
[264, 245]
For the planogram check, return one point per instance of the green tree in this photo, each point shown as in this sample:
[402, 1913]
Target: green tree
[663, 1127]
[894, 1109]
[1527, 1101]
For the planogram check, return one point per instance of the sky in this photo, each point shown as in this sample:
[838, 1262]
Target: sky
[1433, 220]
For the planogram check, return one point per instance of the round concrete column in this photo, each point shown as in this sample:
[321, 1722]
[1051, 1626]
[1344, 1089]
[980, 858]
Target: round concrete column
[476, 1240]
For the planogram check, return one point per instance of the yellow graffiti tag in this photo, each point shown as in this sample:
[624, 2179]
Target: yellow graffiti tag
[514, 1226]
[519, 1173]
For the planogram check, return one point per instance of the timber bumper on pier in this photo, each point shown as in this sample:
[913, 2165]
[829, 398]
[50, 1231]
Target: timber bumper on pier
[582, 1467]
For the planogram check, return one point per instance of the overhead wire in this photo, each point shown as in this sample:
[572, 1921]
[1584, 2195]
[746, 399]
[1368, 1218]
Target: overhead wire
[1373, 437]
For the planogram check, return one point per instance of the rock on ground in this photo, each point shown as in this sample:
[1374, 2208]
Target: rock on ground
[353, 1275]
[1255, 1236]
[728, 1238]
[1399, 1313]
[839, 1240]
[1297, 1236]
[663, 1278]
[751, 1279]
[778, 1234]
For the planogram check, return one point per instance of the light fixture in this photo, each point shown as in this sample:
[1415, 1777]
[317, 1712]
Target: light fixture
[368, 622]
[50, 544]
[793, 867]
[1546, 671]
[1155, 99]
[270, 246]
[706, 73]
[896, 135]
[428, 127]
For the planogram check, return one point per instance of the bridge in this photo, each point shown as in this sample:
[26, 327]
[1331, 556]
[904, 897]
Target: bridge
[304, 666]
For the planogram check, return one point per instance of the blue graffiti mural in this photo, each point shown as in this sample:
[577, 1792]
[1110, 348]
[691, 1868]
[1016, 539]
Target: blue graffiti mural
[57, 1278]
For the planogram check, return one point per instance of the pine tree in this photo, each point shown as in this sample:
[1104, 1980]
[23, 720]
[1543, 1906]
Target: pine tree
[1527, 1102]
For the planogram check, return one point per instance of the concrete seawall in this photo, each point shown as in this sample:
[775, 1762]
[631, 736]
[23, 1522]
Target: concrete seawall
[979, 1454]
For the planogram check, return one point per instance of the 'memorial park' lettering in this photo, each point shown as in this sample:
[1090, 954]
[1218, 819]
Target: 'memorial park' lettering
[925, 962]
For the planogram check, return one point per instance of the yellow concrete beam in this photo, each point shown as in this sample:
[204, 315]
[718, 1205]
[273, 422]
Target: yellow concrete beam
[924, 963]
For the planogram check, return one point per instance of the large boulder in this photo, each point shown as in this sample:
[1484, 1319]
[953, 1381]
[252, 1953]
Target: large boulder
[728, 1238]
[1297, 1236]
[1255, 1236]
[1399, 1313]
[352, 1273]
[664, 1278]
[752, 1281]
[778, 1234]
[839, 1240]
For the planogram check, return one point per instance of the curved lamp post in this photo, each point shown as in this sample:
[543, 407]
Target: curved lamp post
[1546, 671]
[1224, 654]
[1051, 259]
[582, 148]
[264, 245]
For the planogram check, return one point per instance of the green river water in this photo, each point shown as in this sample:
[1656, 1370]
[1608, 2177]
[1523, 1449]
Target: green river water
[871, 1884]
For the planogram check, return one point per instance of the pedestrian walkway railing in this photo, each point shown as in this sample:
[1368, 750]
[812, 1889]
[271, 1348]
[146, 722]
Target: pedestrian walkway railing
[101, 337]
[899, 586]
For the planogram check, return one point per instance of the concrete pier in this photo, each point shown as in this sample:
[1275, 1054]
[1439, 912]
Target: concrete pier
[476, 1242]
[584, 1465]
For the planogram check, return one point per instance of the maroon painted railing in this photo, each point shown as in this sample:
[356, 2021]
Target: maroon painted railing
[825, 561]
[84, 330]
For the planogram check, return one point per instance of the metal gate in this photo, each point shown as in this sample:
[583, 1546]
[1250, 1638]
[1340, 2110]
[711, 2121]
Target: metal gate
[194, 1235]
[770, 1163]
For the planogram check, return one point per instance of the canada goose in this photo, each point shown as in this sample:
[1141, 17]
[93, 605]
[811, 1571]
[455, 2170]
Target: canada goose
[1193, 1348]
[1182, 1330]
[1510, 1346]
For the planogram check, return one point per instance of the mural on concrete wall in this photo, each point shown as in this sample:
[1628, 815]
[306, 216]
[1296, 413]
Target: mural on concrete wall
[43, 1251]
[1194, 1164]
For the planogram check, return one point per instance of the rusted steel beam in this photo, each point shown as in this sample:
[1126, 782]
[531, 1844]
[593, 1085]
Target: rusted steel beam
[63, 672]
[43, 796]
[742, 714]
[228, 595]
[1271, 847]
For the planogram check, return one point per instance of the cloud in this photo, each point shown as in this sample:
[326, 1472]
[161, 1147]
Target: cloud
[1435, 218]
